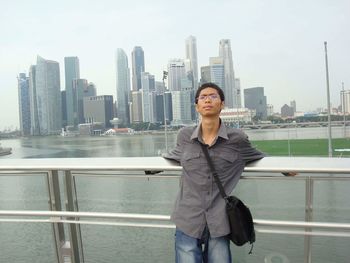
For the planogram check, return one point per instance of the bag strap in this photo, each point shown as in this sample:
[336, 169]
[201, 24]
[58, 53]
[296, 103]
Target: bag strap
[212, 168]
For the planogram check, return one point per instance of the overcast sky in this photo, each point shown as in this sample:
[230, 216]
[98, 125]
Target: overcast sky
[276, 44]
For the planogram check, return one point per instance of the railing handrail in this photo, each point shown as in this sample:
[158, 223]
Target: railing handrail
[268, 164]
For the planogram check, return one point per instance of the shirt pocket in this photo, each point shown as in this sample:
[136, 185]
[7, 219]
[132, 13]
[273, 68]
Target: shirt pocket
[191, 161]
[226, 160]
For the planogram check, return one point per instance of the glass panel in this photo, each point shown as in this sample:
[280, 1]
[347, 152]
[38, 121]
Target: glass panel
[332, 201]
[270, 248]
[25, 242]
[275, 199]
[330, 249]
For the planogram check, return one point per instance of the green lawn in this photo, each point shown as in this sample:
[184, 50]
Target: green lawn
[307, 147]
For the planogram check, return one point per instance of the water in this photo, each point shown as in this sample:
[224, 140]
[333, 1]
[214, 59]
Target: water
[277, 199]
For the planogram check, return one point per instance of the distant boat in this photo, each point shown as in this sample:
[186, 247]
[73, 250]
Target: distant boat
[5, 151]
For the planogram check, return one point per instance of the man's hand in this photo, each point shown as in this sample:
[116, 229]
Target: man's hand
[290, 173]
[152, 172]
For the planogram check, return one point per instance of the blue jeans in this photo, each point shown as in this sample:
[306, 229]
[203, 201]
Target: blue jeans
[190, 250]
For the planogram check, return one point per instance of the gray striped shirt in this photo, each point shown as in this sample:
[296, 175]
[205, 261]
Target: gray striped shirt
[199, 202]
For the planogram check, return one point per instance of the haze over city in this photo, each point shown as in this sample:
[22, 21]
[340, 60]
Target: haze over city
[277, 45]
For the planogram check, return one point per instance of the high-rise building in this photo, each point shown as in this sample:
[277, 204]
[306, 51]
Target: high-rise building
[176, 72]
[72, 71]
[229, 85]
[345, 101]
[254, 99]
[191, 54]
[136, 106]
[238, 92]
[99, 109]
[287, 111]
[148, 97]
[217, 72]
[90, 90]
[138, 66]
[205, 75]
[24, 104]
[293, 104]
[123, 86]
[34, 127]
[64, 108]
[269, 109]
[48, 96]
[79, 91]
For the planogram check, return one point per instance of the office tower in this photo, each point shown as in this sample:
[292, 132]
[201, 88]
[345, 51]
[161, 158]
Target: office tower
[287, 111]
[229, 85]
[24, 104]
[71, 69]
[191, 55]
[34, 127]
[293, 104]
[99, 109]
[269, 108]
[345, 101]
[217, 72]
[238, 93]
[255, 99]
[48, 96]
[148, 97]
[138, 66]
[160, 87]
[90, 90]
[160, 108]
[80, 87]
[168, 106]
[205, 75]
[123, 87]
[176, 72]
[136, 106]
[64, 108]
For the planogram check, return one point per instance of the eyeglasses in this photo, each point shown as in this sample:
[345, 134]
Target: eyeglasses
[210, 96]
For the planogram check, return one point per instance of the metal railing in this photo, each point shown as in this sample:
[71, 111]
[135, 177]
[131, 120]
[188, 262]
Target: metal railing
[71, 249]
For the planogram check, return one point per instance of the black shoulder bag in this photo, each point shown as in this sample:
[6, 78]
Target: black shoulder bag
[239, 216]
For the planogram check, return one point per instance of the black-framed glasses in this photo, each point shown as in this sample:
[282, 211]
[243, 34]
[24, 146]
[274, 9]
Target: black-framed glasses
[210, 96]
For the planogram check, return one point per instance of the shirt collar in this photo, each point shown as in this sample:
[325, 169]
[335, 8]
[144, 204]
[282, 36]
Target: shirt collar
[221, 133]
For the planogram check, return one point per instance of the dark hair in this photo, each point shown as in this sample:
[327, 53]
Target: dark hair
[210, 85]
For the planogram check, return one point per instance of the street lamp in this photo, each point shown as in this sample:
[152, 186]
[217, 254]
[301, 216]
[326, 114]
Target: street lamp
[330, 151]
[165, 75]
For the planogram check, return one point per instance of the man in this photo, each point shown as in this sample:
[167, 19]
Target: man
[199, 213]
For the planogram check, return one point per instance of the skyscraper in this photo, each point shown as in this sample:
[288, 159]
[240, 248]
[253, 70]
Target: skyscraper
[99, 109]
[138, 66]
[176, 72]
[79, 90]
[255, 99]
[48, 96]
[229, 87]
[123, 86]
[71, 69]
[217, 72]
[191, 54]
[34, 118]
[148, 97]
[24, 104]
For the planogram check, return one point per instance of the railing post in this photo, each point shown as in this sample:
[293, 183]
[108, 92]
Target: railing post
[309, 188]
[76, 244]
[55, 205]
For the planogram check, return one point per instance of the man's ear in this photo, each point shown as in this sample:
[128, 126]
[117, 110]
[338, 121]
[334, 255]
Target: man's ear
[196, 105]
[222, 105]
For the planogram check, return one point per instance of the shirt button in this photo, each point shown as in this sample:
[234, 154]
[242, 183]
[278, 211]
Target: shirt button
[208, 193]
[208, 177]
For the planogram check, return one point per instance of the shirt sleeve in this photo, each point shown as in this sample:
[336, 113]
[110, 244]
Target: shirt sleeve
[175, 154]
[248, 152]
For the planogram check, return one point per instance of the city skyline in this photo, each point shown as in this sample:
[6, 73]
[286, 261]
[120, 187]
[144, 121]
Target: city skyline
[278, 46]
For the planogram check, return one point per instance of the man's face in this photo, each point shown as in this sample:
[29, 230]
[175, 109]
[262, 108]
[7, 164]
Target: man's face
[209, 103]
